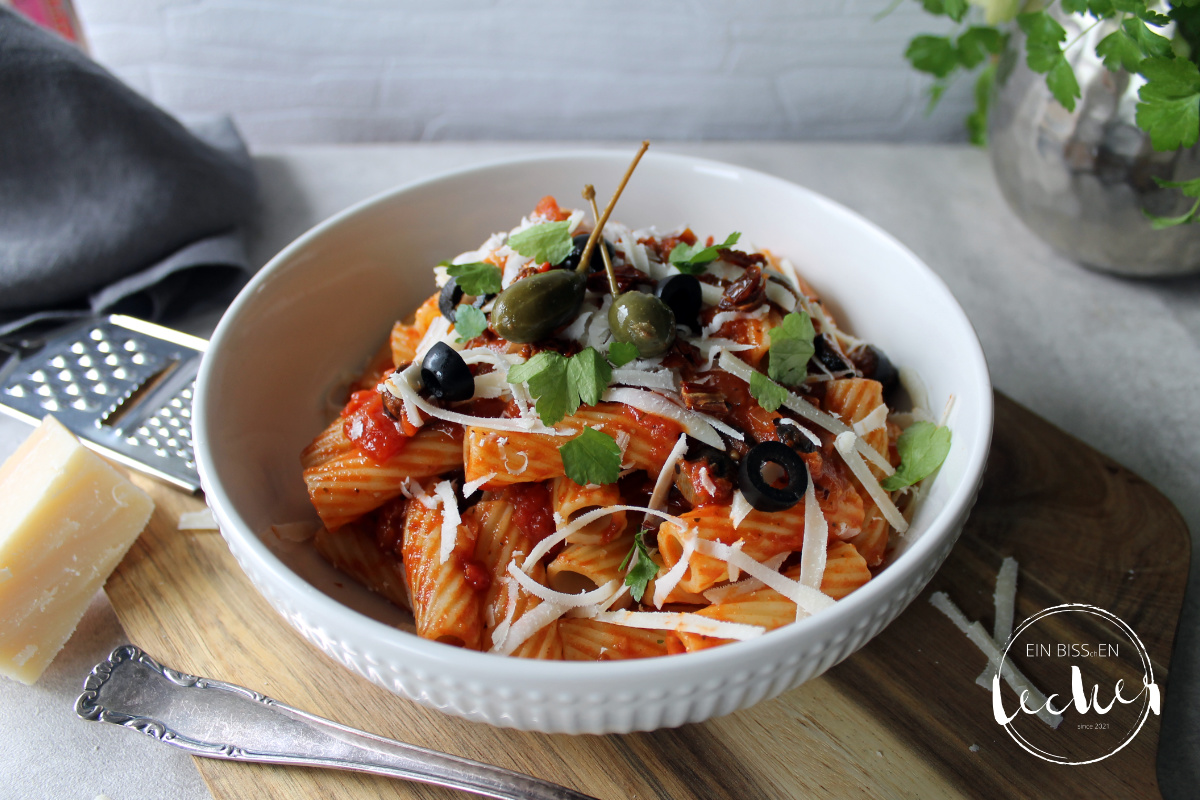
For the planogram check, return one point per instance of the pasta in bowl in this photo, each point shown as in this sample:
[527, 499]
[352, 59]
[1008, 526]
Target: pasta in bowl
[579, 496]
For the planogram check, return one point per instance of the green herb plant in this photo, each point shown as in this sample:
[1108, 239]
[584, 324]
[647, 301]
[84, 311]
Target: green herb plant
[1161, 47]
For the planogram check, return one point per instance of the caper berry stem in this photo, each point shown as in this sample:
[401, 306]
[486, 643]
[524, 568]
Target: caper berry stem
[589, 194]
[603, 220]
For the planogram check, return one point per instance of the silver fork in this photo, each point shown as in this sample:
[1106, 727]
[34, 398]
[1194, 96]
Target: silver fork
[215, 719]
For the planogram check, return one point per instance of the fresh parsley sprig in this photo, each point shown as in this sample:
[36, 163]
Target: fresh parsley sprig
[592, 457]
[693, 259]
[560, 384]
[547, 242]
[923, 447]
[792, 347]
[477, 278]
[643, 567]
[1169, 107]
[621, 353]
[469, 322]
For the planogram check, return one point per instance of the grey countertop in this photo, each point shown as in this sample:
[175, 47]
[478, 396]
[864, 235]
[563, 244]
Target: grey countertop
[1114, 362]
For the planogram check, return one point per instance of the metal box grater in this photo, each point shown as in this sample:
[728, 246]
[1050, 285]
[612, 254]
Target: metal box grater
[122, 385]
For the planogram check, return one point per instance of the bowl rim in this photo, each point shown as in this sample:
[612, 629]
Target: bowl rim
[535, 673]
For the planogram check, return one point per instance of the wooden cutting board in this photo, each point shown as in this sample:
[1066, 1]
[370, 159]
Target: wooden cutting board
[896, 719]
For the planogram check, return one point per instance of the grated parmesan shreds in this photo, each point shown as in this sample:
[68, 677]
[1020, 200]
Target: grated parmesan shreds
[739, 509]
[653, 403]
[666, 583]
[781, 296]
[730, 591]
[872, 422]
[1005, 600]
[812, 437]
[816, 539]
[202, 520]
[413, 491]
[400, 385]
[733, 573]
[662, 379]
[543, 592]
[471, 487]
[1012, 676]
[740, 369]
[681, 622]
[510, 609]
[844, 443]
[666, 476]
[546, 612]
[583, 520]
[1005, 603]
[450, 519]
[807, 599]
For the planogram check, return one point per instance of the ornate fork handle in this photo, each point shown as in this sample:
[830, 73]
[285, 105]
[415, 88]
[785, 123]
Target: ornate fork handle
[220, 720]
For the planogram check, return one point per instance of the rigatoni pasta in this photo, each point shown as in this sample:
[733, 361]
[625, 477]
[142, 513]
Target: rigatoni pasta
[671, 453]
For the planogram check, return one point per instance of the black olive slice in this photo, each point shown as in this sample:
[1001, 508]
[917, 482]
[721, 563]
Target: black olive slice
[828, 355]
[793, 437]
[597, 263]
[451, 297]
[682, 294]
[758, 491]
[874, 364]
[446, 375]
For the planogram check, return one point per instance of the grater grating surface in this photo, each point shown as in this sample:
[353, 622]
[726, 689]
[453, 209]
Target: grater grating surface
[122, 385]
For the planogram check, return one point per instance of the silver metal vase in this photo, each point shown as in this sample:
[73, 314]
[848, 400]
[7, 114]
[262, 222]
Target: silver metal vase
[1080, 179]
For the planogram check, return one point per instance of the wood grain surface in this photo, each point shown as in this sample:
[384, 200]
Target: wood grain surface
[897, 719]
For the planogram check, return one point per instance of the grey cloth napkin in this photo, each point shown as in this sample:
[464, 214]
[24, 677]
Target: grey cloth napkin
[107, 203]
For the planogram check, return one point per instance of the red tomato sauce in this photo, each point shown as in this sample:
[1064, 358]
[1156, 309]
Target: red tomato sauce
[372, 430]
[533, 512]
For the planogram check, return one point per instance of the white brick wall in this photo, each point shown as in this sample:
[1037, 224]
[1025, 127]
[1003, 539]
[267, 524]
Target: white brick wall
[380, 70]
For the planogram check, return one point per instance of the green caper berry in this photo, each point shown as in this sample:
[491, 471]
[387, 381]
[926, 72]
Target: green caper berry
[532, 308]
[644, 321]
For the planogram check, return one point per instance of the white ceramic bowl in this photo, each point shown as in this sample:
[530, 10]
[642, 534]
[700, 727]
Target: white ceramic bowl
[319, 309]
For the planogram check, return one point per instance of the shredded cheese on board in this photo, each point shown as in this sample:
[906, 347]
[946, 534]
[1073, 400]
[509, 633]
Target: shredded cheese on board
[1012, 676]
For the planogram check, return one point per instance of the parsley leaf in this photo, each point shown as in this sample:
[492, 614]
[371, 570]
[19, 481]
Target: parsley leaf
[476, 278]
[643, 569]
[769, 394]
[1119, 50]
[1062, 83]
[1170, 102]
[469, 322]
[591, 457]
[1189, 189]
[621, 353]
[791, 348]
[923, 447]
[546, 374]
[933, 54]
[588, 375]
[954, 9]
[547, 242]
[976, 43]
[1042, 29]
[1150, 42]
[560, 384]
[693, 259]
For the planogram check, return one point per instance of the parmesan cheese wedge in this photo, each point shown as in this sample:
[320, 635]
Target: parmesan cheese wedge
[66, 519]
